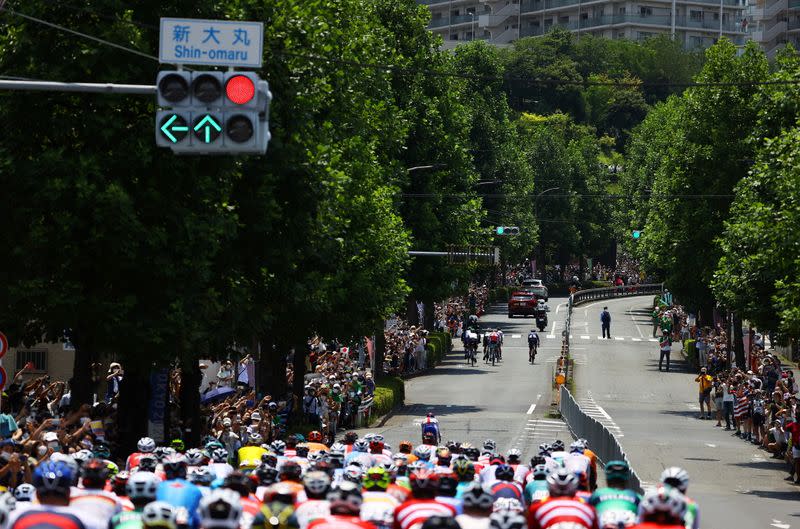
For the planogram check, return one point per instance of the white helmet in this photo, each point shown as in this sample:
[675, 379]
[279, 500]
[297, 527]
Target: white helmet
[255, 439]
[24, 492]
[194, 457]
[142, 485]
[507, 520]
[5, 514]
[676, 477]
[514, 453]
[562, 483]
[507, 505]
[577, 446]
[146, 445]
[222, 508]
[667, 500]
[159, 514]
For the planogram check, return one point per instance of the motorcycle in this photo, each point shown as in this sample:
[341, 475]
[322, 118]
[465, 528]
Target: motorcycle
[541, 320]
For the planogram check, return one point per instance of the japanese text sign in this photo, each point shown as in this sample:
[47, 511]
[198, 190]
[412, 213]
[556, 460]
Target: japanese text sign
[215, 42]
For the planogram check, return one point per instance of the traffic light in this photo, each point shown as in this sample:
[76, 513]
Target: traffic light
[212, 112]
[507, 230]
[636, 234]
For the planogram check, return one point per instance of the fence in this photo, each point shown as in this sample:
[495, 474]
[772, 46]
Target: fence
[601, 441]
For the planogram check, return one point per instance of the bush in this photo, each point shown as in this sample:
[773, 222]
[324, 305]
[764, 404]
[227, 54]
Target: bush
[389, 393]
[690, 351]
[439, 344]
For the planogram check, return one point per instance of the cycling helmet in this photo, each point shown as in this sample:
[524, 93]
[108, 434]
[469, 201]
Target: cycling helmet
[675, 477]
[280, 493]
[175, 467]
[159, 514]
[266, 474]
[81, 456]
[489, 445]
[238, 482]
[540, 472]
[545, 449]
[101, 451]
[301, 450]
[508, 505]
[617, 470]
[146, 445]
[147, 463]
[278, 447]
[423, 452]
[335, 459]
[448, 484]
[222, 508]
[112, 469]
[160, 452]
[538, 460]
[8, 501]
[472, 453]
[514, 455]
[558, 445]
[424, 483]
[219, 455]
[376, 446]
[353, 474]
[345, 499]
[315, 436]
[142, 486]
[317, 484]
[212, 444]
[194, 457]
[361, 445]
[338, 447]
[119, 481]
[94, 474]
[24, 492]
[376, 478]
[476, 497]
[5, 512]
[178, 445]
[576, 447]
[562, 483]
[314, 457]
[255, 439]
[504, 473]
[201, 476]
[350, 438]
[664, 500]
[290, 471]
[52, 477]
[405, 447]
[464, 470]
[431, 415]
[440, 522]
[507, 520]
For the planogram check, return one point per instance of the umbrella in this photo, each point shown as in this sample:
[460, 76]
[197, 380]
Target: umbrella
[217, 394]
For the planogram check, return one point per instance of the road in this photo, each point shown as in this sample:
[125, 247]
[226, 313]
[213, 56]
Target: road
[507, 402]
[654, 414]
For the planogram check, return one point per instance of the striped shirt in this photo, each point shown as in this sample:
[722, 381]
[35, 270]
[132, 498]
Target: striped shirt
[413, 513]
[551, 512]
[740, 408]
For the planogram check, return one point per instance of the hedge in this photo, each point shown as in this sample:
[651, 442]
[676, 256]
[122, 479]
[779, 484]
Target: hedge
[389, 392]
[690, 352]
[500, 294]
[439, 344]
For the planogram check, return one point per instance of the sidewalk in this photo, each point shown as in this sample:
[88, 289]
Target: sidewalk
[654, 415]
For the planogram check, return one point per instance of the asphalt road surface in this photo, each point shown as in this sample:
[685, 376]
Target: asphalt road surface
[654, 415]
[507, 403]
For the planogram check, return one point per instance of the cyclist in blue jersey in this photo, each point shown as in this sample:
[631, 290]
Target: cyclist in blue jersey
[179, 492]
[53, 481]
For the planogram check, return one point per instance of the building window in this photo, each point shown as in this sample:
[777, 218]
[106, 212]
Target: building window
[621, 10]
[621, 35]
[645, 11]
[695, 15]
[563, 20]
[37, 358]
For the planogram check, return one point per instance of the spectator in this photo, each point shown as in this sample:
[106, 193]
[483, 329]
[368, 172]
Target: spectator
[665, 346]
[706, 384]
[225, 375]
[113, 379]
[605, 323]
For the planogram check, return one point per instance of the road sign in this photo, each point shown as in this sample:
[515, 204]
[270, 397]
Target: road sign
[215, 42]
[174, 127]
[3, 378]
[3, 345]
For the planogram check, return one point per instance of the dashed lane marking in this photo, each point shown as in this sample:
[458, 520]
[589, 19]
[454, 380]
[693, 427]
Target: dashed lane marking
[530, 410]
[516, 336]
[585, 337]
[636, 339]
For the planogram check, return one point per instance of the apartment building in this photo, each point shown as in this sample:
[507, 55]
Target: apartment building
[695, 23]
[773, 23]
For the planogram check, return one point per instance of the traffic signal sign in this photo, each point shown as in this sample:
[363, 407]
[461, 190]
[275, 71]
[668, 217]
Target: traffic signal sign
[507, 230]
[212, 112]
[636, 234]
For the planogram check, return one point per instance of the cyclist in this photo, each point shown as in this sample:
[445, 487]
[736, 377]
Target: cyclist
[179, 492]
[465, 473]
[558, 452]
[471, 340]
[562, 507]
[159, 515]
[277, 511]
[141, 490]
[146, 446]
[345, 503]
[662, 508]
[317, 485]
[53, 481]
[679, 478]
[378, 505]
[242, 485]
[477, 507]
[220, 510]
[430, 426]
[500, 345]
[448, 486]
[422, 505]
[505, 486]
[533, 345]
[537, 489]
[92, 499]
[617, 506]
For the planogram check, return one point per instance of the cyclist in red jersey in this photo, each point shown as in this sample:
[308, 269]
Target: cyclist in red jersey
[662, 508]
[562, 506]
[505, 486]
[345, 505]
[412, 513]
[52, 481]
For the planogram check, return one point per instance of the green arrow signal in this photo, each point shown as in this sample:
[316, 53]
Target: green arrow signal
[208, 122]
[165, 128]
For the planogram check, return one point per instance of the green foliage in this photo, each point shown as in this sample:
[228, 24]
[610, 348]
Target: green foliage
[439, 345]
[389, 393]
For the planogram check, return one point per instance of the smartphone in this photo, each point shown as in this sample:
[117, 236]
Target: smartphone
[56, 422]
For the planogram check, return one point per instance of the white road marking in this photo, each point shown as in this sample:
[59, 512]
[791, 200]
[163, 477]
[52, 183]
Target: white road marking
[630, 313]
[636, 339]
[711, 445]
[558, 308]
[585, 337]
[516, 336]
[619, 338]
[599, 337]
[545, 421]
[530, 410]
[652, 339]
[779, 525]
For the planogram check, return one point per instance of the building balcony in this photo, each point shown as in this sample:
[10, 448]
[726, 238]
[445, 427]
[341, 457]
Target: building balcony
[531, 6]
[638, 20]
[451, 21]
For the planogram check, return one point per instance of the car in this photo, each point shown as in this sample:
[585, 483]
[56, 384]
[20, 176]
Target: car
[532, 283]
[539, 291]
[522, 303]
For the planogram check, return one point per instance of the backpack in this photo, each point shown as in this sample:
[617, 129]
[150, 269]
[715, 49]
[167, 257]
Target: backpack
[430, 428]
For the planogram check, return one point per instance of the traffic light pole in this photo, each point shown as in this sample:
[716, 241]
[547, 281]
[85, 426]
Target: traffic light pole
[89, 88]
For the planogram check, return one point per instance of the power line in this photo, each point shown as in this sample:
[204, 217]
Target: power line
[551, 196]
[79, 34]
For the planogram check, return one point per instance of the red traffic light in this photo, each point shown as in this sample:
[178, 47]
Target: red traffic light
[240, 89]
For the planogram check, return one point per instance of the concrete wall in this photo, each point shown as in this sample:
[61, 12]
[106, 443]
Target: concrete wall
[58, 359]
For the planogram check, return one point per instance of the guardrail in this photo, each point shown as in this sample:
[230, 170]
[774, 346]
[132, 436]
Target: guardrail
[601, 441]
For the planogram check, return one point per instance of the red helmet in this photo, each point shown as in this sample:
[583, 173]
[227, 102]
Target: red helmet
[376, 447]
[424, 483]
[315, 437]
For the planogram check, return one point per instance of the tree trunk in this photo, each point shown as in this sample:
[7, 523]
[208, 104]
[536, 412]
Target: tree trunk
[299, 380]
[191, 377]
[412, 314]
[81, 386]
[133, 406]
[272, 369]
[739, 342]
[430, 316]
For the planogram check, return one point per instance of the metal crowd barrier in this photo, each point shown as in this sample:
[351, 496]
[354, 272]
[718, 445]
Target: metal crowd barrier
[592, 294]
[601, 441]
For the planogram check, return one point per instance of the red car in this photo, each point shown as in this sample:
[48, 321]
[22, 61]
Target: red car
[522, 304]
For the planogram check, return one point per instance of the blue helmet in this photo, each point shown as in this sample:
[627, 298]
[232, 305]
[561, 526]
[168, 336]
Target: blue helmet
[52, 478]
